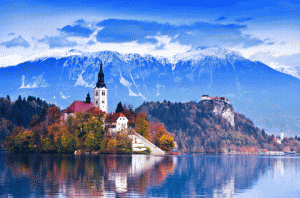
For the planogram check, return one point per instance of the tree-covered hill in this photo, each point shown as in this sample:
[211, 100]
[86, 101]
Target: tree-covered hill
[208, 126]
[22, 112]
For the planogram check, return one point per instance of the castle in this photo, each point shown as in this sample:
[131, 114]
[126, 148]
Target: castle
[207, 97]
[115, 122]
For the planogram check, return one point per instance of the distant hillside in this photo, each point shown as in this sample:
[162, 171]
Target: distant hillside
[208, 126]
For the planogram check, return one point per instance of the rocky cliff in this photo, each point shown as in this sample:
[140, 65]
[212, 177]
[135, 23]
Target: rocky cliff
[221, 108]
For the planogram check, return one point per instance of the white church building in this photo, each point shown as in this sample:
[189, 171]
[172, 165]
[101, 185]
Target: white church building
[115, 121]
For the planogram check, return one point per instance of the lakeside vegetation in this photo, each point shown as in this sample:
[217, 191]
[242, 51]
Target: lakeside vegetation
[32, 125]
[42, 131]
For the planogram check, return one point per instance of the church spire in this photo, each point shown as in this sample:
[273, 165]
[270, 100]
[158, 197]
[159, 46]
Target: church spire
[88, 98]
[101, 83]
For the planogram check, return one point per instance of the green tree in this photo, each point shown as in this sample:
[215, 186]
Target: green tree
[90, 141]
[59, 147]
[94, 128]
[72, 145]
[80, 121]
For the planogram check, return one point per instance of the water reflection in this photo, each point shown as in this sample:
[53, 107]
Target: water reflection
[137, 175]
[81, 175]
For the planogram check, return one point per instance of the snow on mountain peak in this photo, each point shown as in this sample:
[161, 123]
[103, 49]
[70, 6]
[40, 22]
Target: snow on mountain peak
[55, 54]
[198, 53]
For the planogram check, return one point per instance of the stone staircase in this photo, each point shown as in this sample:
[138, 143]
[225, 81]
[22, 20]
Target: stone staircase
[154, 149]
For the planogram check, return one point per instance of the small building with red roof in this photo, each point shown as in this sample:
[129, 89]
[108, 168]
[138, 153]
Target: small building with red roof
[116, 122]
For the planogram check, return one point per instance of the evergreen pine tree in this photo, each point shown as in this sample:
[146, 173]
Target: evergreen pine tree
[120, 108]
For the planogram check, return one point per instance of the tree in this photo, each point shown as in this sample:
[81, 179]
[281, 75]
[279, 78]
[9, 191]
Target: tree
[90, 141]
[142, 126]
[80, 121]
[119, 108]
[72, 145]
[17, 130]
[6, 128]
[157, 130]
[166, 142]
[53, 115]
[35, 120]
[123, 143]
[111, 146]
[59, 147]
[94, 126]
[55, 131]
[36, 138]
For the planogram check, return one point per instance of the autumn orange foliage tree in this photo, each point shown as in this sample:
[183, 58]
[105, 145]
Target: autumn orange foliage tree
[142, 126]
[157, 130]
[53, 115]
[161, 137]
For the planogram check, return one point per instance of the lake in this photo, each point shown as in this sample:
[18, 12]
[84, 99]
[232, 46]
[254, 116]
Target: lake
[148, 176]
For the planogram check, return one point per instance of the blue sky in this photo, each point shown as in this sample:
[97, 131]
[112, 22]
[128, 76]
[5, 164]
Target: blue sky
[260, 30]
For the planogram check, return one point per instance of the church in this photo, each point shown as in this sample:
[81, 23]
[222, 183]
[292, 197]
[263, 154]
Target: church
[115, 122]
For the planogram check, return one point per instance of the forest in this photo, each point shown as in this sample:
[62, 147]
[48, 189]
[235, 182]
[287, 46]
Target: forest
[196, 128]
[34, 126]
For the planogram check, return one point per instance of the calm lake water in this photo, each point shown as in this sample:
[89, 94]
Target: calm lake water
[148, 176]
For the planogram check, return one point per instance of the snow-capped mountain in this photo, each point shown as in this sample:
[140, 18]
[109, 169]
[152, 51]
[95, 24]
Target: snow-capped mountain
[267, 96]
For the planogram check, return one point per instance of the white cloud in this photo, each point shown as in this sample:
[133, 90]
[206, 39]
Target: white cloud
[9, 60]
[58, 53]
[63, 96]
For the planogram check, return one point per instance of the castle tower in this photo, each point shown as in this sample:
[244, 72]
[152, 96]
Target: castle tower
[100, 92]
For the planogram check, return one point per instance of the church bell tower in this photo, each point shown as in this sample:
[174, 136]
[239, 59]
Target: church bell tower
[100, 92]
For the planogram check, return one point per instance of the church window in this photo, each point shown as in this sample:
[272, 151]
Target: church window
[102, 101]
[103, 93]
[96, 102]
[96, 93]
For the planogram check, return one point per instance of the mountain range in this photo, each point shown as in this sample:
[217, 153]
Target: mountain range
[268, 97]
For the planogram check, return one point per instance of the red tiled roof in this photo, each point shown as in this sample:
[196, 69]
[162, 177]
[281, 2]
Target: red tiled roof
[113, 117]
[82, 106]
[95, 111]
